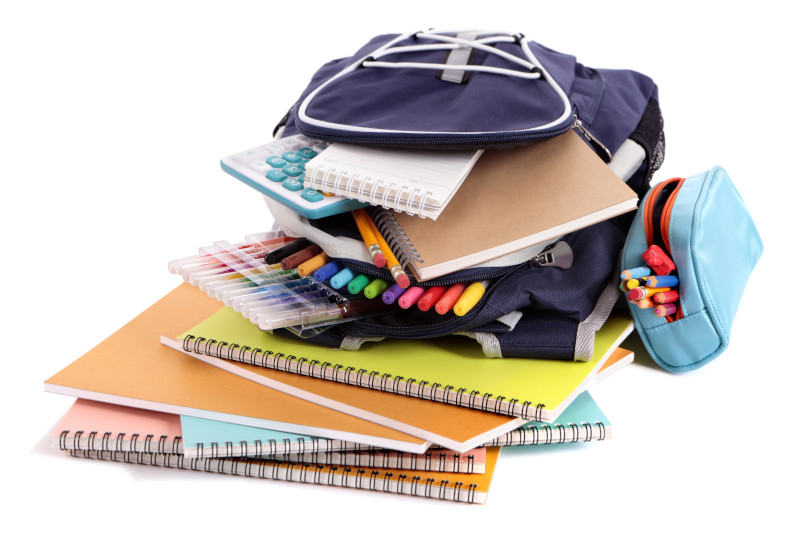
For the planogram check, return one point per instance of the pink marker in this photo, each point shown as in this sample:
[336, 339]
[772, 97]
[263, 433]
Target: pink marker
[410, 297]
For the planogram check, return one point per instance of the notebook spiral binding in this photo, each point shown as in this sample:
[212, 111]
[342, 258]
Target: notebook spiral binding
[121, 442]
[395, 237]
[364, 378]
[332, 475]
[367, 189]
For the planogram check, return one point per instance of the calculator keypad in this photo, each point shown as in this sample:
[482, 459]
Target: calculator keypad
[277, 169]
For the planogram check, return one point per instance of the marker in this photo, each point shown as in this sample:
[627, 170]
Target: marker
[375, 288]
[310, 266]
[666, 309]
[450, 297]
[430, 297]
[325, 272]
[298, 258]
[358, 284]
[666, 297]
[342, 278]
[392, 293]
[472, 295]
[661, 281]
[368, 236]
[285, 251]
[410, 297]
[638, 272]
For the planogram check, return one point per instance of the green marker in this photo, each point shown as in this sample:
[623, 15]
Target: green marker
[358, 284]
[375, 288]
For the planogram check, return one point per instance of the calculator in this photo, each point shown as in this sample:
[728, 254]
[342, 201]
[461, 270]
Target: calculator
[277, 169]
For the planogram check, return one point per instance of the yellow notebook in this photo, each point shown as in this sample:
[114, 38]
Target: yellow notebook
[451, 370]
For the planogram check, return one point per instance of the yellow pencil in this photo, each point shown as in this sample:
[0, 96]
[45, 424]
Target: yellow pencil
[399, 275]
[365, 228]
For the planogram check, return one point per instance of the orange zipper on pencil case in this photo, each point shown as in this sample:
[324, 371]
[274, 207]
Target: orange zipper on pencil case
[654, 210]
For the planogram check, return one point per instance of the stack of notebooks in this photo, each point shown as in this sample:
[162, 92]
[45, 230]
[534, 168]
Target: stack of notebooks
[191, 383]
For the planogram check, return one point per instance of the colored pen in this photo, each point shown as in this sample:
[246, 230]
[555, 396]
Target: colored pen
[365, 228]
[312, 265]
[325, 272]
[285, 251]
[300, 257]
[358, 284]
[472, 295]
[430, 298]
[450, 297]
[662, 281]
[638, 272]
[410, 297]
[342, 278]
[376, 287]
[392, 293]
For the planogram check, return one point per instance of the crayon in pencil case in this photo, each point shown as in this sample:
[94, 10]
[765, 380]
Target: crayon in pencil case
[645, 303]
[470, 298]
[430, 298]
[666, 297]
[661, 281]
[300, 257]
[450, 297]
[632, 273]
[665, 309]
[391, 294]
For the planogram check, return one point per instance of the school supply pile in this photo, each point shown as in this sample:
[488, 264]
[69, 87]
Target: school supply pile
[439, 283]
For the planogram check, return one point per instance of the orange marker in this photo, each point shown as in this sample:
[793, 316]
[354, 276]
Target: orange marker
[450, 297]
[308, 268]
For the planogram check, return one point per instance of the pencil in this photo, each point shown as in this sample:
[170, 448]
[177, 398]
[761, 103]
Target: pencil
[368, 235]
[399, 275]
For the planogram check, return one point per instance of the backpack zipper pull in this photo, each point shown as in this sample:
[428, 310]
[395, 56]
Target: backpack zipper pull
[599, 148]
[559, 256]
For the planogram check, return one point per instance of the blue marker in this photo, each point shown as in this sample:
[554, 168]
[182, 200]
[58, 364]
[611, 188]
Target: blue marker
[342, 278]
[327, 270]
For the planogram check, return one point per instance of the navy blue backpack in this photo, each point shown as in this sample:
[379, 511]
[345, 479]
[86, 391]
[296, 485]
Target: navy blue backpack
[468, 90]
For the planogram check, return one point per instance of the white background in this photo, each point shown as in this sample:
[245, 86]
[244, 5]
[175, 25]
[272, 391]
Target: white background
[113, 119]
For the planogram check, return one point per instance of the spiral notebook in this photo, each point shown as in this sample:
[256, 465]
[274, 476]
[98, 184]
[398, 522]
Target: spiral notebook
[456, 487]
[104, 427]
[121, 370]
[420, 182]
[450, 370]
[511, 200]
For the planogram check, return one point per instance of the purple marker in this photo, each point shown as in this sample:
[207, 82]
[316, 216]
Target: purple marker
[392, 293]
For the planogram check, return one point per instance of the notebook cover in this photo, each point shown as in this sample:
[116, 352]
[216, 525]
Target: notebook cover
[517, 198]
[133, 368]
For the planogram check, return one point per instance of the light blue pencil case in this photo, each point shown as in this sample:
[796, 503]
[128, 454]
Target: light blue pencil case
[702, 224]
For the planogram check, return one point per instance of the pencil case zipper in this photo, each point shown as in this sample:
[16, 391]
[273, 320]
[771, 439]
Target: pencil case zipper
[656, 218]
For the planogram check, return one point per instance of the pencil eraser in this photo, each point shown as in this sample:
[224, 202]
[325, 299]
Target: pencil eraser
[403, 281]
[379, 260]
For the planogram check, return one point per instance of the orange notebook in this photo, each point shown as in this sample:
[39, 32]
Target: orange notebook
[133, 368]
